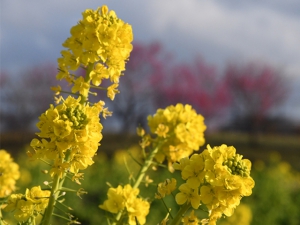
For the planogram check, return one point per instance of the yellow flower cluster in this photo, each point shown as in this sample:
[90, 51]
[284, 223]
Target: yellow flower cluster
[9, 173]
[29, 205]
[165, 188]
[218, 177]
[180, 128]
[100, 42]
[126, 200]
[70, 134]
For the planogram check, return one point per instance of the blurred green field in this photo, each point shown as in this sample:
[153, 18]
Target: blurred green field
[276, 171]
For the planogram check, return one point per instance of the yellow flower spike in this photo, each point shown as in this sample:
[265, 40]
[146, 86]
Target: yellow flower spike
[101, 42]
[227, 178]
[69, 125]
[127, 198]
[9, 173]
[182, 130]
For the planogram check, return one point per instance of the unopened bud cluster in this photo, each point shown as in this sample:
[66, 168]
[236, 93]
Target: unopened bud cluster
[236, 166]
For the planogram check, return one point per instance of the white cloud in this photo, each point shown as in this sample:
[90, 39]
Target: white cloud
[218, 30]
[250, 32]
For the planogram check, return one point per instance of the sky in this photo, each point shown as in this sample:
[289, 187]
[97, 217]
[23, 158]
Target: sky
[220, 31]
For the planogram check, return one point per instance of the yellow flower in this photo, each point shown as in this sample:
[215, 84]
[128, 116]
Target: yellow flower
[137, 209]
[29, 205]
[166, 188]
[194, 172]
[190, 219]
[100, 42]
[99, 73]
[70, 134]
[188, 195]
[220, 175]
[182, 130]
[9, 173]
[24, 210]
[81, 86]
[206, 194]
[227, 180]
[115, 201]
[162, 130]
[127, 198]
[112, 91]
[38, 197]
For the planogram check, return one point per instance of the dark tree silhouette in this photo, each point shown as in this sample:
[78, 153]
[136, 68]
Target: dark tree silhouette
[133, 104]
[25, 96]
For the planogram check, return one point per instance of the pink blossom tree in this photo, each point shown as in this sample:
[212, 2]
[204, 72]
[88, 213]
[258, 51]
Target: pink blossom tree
[256, 89]
[197, 84]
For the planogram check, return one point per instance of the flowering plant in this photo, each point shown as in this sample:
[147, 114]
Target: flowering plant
[70, 134]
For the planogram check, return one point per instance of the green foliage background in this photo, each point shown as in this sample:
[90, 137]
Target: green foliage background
[275, 199]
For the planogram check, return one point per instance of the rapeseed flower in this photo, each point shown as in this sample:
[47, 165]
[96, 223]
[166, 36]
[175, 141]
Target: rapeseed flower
[190, 219]
[125, 199]
[101, 43]
[165, 188]
[188, 195]
[70, 134]
[180, 129]
[9, 173]
[221, 177]
[30, 205]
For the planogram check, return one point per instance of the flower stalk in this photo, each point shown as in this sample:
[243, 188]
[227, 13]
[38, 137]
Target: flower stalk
[145, 167]
[57, 184]
[178, 217]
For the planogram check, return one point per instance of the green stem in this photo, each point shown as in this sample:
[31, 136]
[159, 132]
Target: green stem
[56, 186]
[180, 213]
[168, 210]
[87, 80]
[141, 174]
[52, 199]
[1, 223]
[145, 167]
[88, 71]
